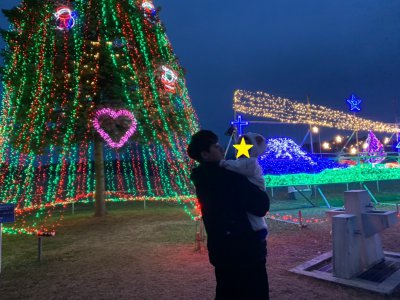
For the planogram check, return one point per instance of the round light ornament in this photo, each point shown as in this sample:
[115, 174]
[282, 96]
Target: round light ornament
[65, 18]
[169, 78]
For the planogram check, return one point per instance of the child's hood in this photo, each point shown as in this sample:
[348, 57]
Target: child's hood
[258, 142]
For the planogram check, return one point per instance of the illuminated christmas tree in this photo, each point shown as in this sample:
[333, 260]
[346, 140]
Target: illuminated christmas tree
[94, 103]
[374, 151]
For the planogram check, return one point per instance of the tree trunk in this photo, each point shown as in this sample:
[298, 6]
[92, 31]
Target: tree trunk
[100, 203]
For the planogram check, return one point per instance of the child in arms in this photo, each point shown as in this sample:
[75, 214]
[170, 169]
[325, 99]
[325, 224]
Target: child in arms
[252, 170]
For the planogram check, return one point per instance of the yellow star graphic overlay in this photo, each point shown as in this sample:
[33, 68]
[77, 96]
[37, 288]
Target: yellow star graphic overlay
[243, 148]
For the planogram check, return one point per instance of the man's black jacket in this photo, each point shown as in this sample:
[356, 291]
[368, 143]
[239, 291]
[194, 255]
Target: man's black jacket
[225, 197]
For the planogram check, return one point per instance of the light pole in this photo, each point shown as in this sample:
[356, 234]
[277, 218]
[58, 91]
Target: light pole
[315, 130]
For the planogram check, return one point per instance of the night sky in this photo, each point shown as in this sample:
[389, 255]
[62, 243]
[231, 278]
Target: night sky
[325, 49]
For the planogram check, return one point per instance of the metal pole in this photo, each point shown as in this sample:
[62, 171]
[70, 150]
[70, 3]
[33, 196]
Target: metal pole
[357, 142]
[369, 192]
[305, 137]
[300, 218]
[319, 141]
[294, 124]
[197, 238]
[309, 120]
[1, 237]
[229, 144]
[272, 192]
[351, 136]
[323, 197]
[377, 186]
[202, 232]
[272, 122]
[39, 248]
[397, 139]
[73, 208]
[347, 186]
[304, 196]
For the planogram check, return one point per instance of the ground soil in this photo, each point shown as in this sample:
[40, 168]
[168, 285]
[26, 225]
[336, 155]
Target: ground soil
[149, 254]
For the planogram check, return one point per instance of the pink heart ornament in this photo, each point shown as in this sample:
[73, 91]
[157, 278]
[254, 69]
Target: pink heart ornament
[114, 114]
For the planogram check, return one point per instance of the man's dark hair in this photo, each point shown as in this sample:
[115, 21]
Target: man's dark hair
[201, 141]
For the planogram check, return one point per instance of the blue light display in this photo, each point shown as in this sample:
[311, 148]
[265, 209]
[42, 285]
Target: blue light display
[284, 156]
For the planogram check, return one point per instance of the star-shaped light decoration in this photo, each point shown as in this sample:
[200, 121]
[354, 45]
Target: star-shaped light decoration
[243, 148]
[354, 103]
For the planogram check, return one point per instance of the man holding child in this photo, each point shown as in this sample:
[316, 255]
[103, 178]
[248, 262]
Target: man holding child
[237, 252]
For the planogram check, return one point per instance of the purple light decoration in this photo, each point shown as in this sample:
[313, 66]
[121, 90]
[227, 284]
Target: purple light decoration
[110, 113]
[375, 150]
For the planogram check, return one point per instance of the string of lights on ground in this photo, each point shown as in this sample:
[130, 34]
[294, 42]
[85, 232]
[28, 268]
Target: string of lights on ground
[358, 173]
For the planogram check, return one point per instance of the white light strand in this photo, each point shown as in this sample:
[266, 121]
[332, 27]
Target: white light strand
[260, 104]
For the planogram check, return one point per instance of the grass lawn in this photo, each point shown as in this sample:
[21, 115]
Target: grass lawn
[134, 253]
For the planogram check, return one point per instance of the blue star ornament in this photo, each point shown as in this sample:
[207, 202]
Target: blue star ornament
[354, 103]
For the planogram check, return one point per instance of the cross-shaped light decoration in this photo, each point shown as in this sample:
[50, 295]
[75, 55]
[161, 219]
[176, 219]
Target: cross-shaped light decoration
[239, 124]
[354, 103]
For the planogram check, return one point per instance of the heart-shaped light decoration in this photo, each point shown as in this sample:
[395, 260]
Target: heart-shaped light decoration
[114, 114]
